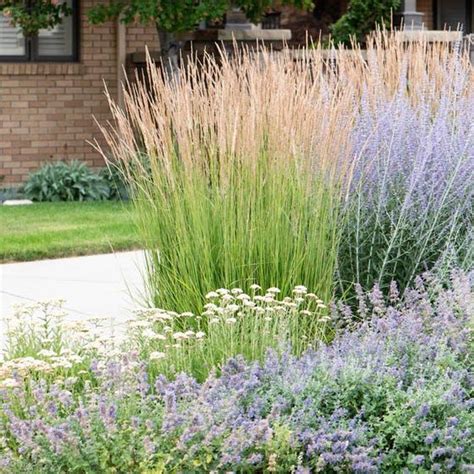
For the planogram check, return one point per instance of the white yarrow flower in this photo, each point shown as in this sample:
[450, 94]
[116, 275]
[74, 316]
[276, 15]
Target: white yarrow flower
[243, 297]
[248, 303]
[274, 290]
[46, 353]
[157, 355]
[9, 383]
[149, 333]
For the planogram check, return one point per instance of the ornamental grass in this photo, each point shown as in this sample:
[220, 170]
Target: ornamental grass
[235, 175]
[317, 168]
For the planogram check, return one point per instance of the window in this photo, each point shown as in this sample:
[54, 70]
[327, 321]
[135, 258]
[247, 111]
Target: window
[57, 45]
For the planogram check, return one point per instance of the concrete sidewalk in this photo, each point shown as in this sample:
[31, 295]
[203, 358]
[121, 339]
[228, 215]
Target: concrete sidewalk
[98, 285]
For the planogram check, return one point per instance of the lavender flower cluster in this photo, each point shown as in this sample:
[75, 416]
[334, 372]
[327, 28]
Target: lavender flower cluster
[393, 395]
[410, 205]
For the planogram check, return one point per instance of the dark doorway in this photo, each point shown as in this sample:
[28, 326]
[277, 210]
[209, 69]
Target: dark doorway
[454, 14]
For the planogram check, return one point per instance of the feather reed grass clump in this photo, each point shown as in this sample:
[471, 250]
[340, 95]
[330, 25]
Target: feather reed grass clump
[241, 165]
[236, 174]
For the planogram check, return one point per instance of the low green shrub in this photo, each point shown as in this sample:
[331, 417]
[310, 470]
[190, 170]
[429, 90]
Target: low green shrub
[118, 188]
[61, 181]
[361, 18]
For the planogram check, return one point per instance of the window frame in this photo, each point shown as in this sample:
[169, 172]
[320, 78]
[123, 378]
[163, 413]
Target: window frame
[31, 46]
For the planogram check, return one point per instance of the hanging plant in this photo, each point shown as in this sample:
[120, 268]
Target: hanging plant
[34, 15]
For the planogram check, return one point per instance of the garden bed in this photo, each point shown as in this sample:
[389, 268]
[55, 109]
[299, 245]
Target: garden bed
[393, 394]
[335, 204]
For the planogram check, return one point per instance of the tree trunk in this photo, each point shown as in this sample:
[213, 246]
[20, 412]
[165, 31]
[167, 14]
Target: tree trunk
[170, 52]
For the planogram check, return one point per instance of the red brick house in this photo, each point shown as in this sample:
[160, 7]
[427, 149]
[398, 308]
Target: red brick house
[50, 89]
[51, 86]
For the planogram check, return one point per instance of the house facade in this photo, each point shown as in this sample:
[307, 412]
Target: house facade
[50, 90]
[52, 86]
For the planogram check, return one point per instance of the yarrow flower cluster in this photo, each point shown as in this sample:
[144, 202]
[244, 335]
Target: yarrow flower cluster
[392, 395]
[42, 342]
[232, 322]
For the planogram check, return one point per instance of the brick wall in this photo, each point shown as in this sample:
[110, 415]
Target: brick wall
[46, 110]
[140, 36]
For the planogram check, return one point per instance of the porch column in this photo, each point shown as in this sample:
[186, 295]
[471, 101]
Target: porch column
[410, 17]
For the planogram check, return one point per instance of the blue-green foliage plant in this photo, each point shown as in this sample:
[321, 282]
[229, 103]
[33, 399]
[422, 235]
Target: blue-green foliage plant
[116, 182]
[61, 181]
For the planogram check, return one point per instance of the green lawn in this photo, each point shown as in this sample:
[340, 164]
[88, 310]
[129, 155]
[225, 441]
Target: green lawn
[49, 230]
